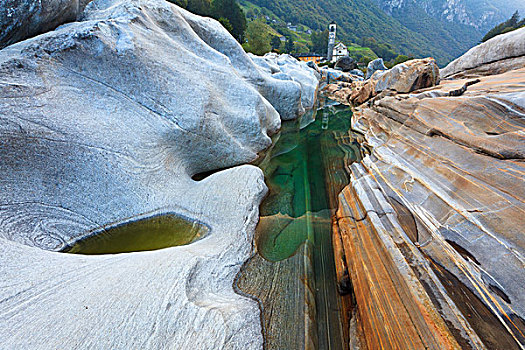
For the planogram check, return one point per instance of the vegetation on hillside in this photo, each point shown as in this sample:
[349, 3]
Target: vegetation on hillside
[450, 39]
[228, 12]
[357, 20]
[259, 37]
[289, 26]
[509, 25]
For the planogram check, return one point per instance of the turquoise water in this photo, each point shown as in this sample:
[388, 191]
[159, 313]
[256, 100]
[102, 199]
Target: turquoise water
[305, 171]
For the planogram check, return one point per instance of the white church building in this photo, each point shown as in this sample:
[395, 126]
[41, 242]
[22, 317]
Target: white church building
[340, 50]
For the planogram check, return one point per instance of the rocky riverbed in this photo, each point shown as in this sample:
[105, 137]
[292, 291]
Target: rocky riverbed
[133, 113]
[431, 226]
[104, 121]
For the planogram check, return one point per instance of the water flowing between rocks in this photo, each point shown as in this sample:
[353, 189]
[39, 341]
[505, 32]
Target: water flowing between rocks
[293, 273]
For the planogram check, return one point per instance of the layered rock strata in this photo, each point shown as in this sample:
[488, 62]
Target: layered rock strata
[431, 225]
[105, 120]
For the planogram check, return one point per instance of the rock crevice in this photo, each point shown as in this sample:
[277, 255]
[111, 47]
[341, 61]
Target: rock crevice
[448, 172]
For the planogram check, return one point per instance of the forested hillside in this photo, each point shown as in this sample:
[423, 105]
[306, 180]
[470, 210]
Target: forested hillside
[478, 14]
[392, 29]
[453, 37]
[509, 25]
[361, 19]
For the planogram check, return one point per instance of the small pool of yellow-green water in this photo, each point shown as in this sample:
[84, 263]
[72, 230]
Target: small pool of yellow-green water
[152, 233]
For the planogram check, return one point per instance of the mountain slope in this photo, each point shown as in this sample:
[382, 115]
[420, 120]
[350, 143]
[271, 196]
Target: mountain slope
[454, 36]
[420, 36]
[479, 14]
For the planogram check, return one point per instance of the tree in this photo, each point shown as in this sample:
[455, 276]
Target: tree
[509, 25]
[199, 7]
[288, 46]
[513, 21]
[258, 37]
[275, 42]
[300, 47]
[230, 10]
[226, 24]
[319, 41]
[181, 3]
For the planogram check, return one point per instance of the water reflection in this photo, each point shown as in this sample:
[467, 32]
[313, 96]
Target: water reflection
[296, 171]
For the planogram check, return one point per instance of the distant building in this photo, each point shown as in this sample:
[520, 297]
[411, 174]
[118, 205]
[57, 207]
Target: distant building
[340, 50]
[308, 57]
[332, 30]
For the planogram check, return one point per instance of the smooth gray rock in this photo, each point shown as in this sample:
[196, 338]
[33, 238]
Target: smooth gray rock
[314, 66]
[104, 121]
[374, 66]
[21, 19]
[505, 47]
[285, 96]
[286, 67]
[332, 75]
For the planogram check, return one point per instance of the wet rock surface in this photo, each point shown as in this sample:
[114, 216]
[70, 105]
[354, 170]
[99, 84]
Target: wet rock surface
[106, 120]
[431, 225]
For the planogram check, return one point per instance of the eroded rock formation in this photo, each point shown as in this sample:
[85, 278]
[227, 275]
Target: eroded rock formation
[374, 66]
[105, 120]
[498, 55]
[431, 225]
[405, 77]
[285, 67]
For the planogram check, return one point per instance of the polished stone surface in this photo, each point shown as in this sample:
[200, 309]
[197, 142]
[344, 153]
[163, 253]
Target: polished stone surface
[103, 121]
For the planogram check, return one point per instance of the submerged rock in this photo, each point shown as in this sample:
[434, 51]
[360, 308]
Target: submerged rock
[106, 120]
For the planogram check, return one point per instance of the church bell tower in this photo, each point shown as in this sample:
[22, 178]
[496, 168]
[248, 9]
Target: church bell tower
[332, 29]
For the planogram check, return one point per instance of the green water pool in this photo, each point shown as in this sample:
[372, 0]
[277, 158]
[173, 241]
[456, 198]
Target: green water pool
[301, 170]
[304, 170]
[151, 233]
